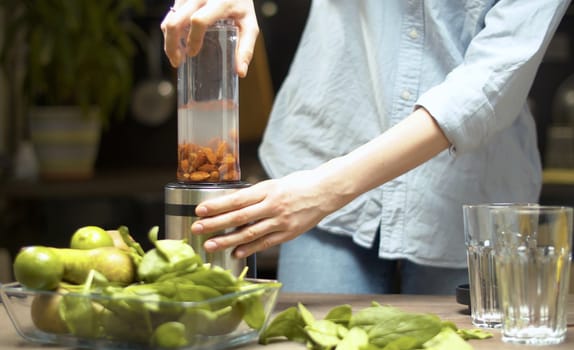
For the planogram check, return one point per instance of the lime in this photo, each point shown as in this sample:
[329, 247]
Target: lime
[90, 237]
[38, 267]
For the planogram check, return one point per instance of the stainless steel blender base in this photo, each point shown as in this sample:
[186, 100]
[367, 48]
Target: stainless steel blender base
[181, 200]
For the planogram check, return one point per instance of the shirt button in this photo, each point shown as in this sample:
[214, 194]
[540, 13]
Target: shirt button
[406, 95]
[414, 34]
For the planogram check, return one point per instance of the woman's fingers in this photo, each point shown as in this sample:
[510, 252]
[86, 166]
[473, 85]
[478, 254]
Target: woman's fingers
[239, 199]
[171, 35]
[234, 210]
[263, 243]
[249, 239]
[174, 27]
[185, 25]
[247, 37]
[242, 12]
[248, 33]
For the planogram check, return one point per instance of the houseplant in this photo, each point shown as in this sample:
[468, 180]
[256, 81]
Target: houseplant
[77, 67]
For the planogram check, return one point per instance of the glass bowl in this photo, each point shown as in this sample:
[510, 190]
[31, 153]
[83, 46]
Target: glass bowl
[102, 321]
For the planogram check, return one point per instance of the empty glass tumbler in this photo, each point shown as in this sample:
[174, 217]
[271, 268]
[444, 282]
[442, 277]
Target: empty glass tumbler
[533, 257]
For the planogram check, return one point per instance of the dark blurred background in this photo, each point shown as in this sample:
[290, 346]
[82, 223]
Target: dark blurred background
[137, 157]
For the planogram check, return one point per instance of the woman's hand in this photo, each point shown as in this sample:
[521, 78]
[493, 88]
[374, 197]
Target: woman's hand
[267, 213]
[188, 20]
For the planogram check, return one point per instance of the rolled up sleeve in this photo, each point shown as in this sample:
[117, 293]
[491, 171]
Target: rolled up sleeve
[486, 91]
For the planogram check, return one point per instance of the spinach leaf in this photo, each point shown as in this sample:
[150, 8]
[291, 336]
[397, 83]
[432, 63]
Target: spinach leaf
[467, 334]
[355, 339]
[125, 327]
[167, 256]
[215, 277]
[447, 339]
[402, 343]
[253, 309]
[372, 315]
[421, 327]
[377, 327]
[218, 322]
[287, 324]
[307, 316]
[324, 333]
[170, 335]
[80, 315]
[340, 314]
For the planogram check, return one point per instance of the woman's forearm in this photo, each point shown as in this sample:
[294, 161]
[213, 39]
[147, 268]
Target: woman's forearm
[403, 147]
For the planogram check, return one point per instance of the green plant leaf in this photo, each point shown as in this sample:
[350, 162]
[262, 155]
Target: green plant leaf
[324, 333]
[447, 339]
[77, 52]
[355, 339]
[307, 316]
[474, 333]
[170, 335]
[288, 324]
[253, 309]
[420, 327]
[340, 314]
[373, 315]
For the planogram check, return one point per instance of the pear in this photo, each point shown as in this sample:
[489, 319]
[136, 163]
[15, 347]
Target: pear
[45, 313]
[39, 267]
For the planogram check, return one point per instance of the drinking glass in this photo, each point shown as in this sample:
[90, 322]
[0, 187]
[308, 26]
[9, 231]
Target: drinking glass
[532, 257]
[479, 238]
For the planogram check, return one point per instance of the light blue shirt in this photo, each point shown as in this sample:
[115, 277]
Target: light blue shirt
[363, 66]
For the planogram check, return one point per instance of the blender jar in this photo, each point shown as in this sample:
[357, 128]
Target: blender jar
[208, 110]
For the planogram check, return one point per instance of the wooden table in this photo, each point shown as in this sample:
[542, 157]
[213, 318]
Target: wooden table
[319, 304]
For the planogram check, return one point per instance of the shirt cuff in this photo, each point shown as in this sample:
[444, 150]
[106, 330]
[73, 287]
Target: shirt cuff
[464, 118]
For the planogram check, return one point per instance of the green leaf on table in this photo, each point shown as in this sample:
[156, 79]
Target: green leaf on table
[450, 325]
[474, 333]
[447, 339]
[421, 327]
[403, 343]
[307, 316]
[340, 314]
[355, 339]
[287, 324]
[324, 333]
[372, 315]
[341, 330]
[386, 328]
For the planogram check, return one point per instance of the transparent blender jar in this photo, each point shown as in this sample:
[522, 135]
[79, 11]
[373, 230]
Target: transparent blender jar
[208, 110]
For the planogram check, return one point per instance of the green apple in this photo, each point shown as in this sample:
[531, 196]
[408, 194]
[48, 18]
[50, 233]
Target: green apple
[90, 237]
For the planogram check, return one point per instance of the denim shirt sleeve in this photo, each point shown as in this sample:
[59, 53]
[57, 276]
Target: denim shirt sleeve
[484, 93]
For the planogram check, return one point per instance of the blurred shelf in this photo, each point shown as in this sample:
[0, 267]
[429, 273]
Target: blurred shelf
[557, 186]
[110, 183]
[130, 182]
[558, 176]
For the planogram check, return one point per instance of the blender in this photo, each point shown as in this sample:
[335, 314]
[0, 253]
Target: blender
[208, 141]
